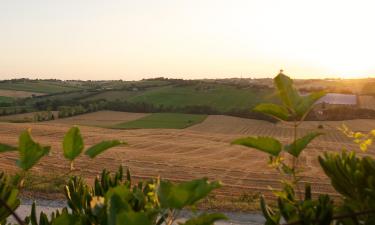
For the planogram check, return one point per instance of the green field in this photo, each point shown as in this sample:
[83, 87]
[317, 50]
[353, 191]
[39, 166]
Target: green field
[220, 97]
[4, 99]
[163, 120]
[38, 86]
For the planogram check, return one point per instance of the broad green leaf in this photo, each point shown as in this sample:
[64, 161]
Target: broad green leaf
[265, 144]
[30, 151]
[273, 110]
[73, 143]
[296, 147]
[307, 102]
[68, 219]
[177, 196]
[205, 219]
[133, 218]
[117, 199]
[95, 150]
[288, 94]
[6, 148]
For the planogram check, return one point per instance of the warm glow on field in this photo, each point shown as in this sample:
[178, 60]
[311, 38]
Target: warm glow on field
[186, 39]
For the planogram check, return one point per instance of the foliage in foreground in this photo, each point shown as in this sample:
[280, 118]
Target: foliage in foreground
[351, 176]
[112, 200]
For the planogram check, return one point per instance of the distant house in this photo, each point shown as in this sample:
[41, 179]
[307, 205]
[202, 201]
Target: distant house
[338, 99]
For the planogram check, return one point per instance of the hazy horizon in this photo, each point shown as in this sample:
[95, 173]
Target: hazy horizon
[128, 40]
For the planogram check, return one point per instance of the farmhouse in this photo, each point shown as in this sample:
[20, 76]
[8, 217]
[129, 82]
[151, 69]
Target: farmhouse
[338, 99]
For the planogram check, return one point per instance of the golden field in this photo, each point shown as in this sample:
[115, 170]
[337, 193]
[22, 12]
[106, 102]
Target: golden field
[203, 150]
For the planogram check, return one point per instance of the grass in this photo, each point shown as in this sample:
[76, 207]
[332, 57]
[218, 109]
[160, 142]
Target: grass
[163, 120]
[38, 86]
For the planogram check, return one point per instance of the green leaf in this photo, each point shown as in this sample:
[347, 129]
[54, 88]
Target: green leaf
[30, 151]
[177, 196]
[95, 150]
[73, 143]
[265, 144]
[273, 110]
[133, 218]
[288, 94]
[68, 219]
[205, 219]
[6, 148]
[297, 146]
[117, 199]
[307, 102]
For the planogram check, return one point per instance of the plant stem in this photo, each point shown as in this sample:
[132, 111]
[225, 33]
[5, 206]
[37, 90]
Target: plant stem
[71, 165]
[295, 162]
[19, 220]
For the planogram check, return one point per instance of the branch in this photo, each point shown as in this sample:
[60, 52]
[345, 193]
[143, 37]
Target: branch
[19, 220]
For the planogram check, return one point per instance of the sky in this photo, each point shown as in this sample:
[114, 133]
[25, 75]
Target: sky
[191, 39]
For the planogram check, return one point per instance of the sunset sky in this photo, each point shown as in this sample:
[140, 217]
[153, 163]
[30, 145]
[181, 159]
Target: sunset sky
[131, 40]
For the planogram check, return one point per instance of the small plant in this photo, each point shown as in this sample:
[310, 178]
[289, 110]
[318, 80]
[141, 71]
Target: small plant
[351, 176]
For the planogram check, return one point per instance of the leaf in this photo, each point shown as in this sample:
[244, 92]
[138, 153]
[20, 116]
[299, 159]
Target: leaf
[177, 196]
[95, 150]
[273, 110]
[205, 219]
[288, 94]
[68, 219]
[6, 148]
[73, 143]
[116, 203]
[30, 151]
[296, 147]
[306, 102]
[266, 144]
[133, 218]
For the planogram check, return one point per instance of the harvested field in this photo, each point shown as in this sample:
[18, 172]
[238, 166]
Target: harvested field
[101, 118]
[18, 94]
[18, 117]
[22, 117]
[163, 120]
[182, 154]
[367, 102]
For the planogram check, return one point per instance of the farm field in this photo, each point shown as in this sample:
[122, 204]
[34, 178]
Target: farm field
[101, 118]
[22, 117]
[219, 97]
[367, 102]
[18, 94]
[163, 120]
[38, 86]
[182, 154]
[6, 99]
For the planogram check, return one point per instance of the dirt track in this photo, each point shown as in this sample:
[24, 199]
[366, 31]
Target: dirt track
[181, 154]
